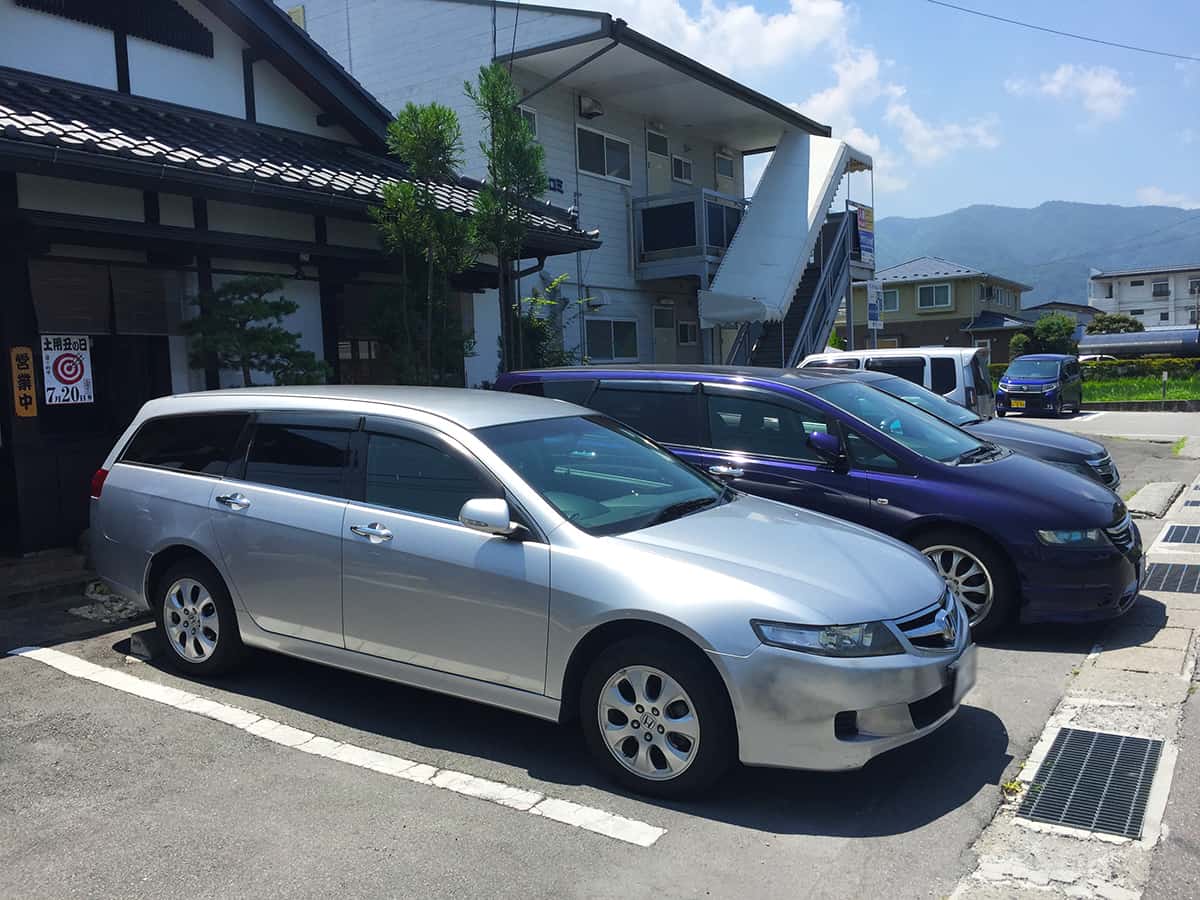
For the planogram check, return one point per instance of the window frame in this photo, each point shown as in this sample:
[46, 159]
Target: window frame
[236, 454]
[665, 137]
[887, 343]
[329, 421]
[1137, 282]
[884, 307]
[529, 110]
[691, 167]
[610, 320]
[1193, 287]
[693, 326]
[710, 389]
[607, 137]
[1154, 289]
[717, 157]
[936, 306]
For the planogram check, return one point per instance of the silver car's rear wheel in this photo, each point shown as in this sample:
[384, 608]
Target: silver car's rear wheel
[649, 723]
[191, 620]
[967, 576]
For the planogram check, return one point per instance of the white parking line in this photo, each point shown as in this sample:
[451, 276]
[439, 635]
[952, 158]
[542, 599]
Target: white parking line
[619, 828]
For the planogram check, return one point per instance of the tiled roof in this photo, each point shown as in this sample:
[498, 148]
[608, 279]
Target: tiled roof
[995, 321]
[164, 136]
[926, 267]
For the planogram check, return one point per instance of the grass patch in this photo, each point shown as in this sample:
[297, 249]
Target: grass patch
[1177, 447]
[1145, 387]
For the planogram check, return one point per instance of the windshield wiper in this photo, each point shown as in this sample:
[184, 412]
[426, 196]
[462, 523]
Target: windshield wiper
[682, 508]
[978, 454]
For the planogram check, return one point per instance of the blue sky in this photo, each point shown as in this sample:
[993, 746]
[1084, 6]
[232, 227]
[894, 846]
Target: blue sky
[957, 109]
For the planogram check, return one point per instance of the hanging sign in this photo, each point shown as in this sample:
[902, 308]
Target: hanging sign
[24, 386]
[875, 305]
[866, 232]
[67, 369]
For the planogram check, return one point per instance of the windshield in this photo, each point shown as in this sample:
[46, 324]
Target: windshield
[902, 422]
[600, 476]
[1033, 368]
[935, 404]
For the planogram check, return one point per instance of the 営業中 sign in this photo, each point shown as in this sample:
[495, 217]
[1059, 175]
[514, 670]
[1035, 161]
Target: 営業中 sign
[24, 386]
[67, 369]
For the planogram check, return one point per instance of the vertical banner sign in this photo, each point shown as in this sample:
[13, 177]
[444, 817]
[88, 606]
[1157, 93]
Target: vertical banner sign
[24, 388]
[67, 369]
[866, 232]
[875, 305]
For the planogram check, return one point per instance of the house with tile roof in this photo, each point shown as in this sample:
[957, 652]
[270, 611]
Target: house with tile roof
[150, 151]
[930, 301]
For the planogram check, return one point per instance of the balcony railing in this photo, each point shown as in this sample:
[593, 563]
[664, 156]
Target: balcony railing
[684, 233]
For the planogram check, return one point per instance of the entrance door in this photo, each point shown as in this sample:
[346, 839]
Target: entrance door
[658, 163]
[665, 348]
[423, 589]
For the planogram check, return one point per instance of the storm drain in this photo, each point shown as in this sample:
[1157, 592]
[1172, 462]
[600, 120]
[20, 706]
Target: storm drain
[1095, 781]
[1191, 502]
[1178, 579]
[1182, 534]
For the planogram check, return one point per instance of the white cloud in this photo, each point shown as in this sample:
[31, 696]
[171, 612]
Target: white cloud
[1098, 88]
[730, 36]
[1187, 136]
[928, 143]
[1156, 196]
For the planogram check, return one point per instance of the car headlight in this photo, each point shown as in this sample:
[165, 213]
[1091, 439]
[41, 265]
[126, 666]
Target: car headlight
[1049, 388]
[867, 639]
[1078, 537]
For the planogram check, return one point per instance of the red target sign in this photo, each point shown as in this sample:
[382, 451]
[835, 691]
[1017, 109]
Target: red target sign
[67, 369]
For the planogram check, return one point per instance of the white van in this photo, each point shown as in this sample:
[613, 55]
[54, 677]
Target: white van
[957, 373]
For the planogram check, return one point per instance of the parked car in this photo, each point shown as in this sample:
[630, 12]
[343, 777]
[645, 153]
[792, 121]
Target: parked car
[1011, 535]
[1040, 382]
[1052, 445]
[957, 373]
[531, 555]
[1096, 357]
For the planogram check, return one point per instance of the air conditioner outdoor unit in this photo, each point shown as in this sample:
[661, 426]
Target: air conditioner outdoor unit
[590, 107]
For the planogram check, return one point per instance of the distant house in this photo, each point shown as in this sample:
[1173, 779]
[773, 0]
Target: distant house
[1157, 297]
[930, 301]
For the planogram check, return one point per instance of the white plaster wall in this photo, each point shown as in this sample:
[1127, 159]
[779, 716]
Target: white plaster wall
[79, 198]
[278, 102]
[483, 366]
[256, 220]
[175, 209]
[51, 45]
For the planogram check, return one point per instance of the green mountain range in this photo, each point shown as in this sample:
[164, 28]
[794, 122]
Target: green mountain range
[1052, 247]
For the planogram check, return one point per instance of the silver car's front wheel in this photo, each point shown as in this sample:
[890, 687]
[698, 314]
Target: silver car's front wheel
[649, 723]
[191, 620]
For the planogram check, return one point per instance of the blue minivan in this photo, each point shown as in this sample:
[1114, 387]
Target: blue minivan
[1050, 383]
[1014, 537]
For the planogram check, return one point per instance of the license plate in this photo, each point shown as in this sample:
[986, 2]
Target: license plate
[962, 673]
[1017, 404]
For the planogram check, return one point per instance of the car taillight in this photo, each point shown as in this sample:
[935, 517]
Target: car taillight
[98, 482]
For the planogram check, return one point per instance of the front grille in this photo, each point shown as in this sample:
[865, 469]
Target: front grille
[1122, 534]
[1105, 469]
[922, 628]
[1094, 780]
[1032, 401]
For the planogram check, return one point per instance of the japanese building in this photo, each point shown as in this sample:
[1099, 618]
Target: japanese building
[151, 150]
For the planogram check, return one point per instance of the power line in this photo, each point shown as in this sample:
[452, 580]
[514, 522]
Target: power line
[1130, 243]
[1067, 34]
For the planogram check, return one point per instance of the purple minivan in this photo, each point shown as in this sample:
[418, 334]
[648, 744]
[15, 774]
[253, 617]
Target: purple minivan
[1015, 538]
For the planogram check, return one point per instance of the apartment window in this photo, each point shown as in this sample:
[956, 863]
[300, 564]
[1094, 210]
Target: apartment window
[664, 317]
[612, 340]
[984, 343]
[1160, 289]
[891, 300]
[689, 334]
[1139, 283]
[1108, 294]
[888, 343]
[724, 166]
[1194, 286]
[602, 154]
[1137, 312]
[1164, 317]
[681, 169]
[933, 296]
[529, 116]
[658, 144]
[986, 293]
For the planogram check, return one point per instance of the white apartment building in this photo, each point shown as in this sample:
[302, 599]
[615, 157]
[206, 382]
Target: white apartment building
[646, 145]
[1157, 297]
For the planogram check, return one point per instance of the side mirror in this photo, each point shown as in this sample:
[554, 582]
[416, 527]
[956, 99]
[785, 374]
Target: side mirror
[826, 444]
[491, 516]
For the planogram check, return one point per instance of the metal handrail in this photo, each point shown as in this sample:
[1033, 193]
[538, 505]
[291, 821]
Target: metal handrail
[834, 267]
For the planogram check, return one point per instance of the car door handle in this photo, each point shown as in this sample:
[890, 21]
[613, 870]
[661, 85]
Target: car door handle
[726, 471]
[234, 501]
[374, 532]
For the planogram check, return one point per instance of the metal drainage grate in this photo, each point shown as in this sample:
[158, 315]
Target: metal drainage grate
[1095, 781]
[1178, 579]
[1182, 534]
[1191, 502]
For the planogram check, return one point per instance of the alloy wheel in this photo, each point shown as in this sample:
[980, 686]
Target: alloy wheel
[965, 575]
[191, 621]
[649, 723]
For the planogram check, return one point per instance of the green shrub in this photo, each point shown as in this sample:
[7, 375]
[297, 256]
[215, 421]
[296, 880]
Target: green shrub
[1108, 369]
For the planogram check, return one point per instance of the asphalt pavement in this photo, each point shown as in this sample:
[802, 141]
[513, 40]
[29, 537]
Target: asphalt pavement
[104, 793]
[1146, 426]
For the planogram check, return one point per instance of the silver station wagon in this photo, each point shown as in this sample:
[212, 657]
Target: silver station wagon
[533, 555]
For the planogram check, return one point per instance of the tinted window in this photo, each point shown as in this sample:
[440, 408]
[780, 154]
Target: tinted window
[306, 459]
[571, 391]
[942, 378]
[416, 477]
[865, 454]
[983, 381]
[935, 404]
[670, 417]
[1025, 367]
[850, 363]
[764, 427]
[910, 367]
[202, 444]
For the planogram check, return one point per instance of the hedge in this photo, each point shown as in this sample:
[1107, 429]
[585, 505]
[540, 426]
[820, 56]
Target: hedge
[1106, 369]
